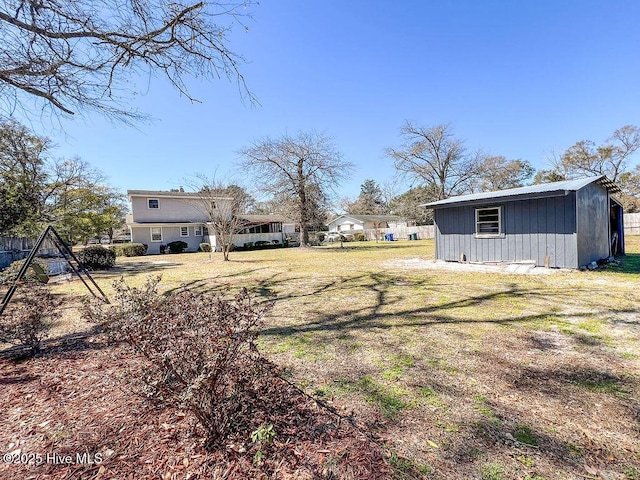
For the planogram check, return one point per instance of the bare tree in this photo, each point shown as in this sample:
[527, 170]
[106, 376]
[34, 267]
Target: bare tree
[630, 185]
[222, 206]
[498, 173]
[610, 159]
[303, 167]
[82, 54]
[433, 156]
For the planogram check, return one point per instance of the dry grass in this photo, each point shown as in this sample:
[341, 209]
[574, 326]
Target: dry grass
[467, 375]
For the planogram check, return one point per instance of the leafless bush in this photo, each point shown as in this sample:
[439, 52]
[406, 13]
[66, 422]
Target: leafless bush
[199, 351]
[27, 320]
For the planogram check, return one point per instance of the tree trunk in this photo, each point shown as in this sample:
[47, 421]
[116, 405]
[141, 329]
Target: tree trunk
[304, 214]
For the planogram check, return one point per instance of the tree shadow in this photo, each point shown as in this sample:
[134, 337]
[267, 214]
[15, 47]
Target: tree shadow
[128, 268]
[372, 317]
[628, 263]
[70, 343]
[370, 245]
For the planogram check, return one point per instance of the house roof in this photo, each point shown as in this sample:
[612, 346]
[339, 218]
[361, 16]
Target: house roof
[370, 218]
[554, 189]
[271, 218]
[174, 194]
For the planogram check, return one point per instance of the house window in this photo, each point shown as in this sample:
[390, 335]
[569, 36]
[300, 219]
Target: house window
[489, 222]
[197, 231]
[156, 234]
[153, 203]
[184, 231]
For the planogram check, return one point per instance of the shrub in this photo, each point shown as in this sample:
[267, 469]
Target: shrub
[9, 274]
[97, 257]
[129, 249]
[321, 236]
[199, 351]
[177, 246]
[27, 319]
[261, 243]
[359, 237]
[205, 247]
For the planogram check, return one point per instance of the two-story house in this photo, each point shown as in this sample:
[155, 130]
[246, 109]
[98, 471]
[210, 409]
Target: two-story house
[160, 217]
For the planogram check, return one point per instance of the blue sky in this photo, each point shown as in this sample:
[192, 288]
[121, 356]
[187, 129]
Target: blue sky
[516, 78]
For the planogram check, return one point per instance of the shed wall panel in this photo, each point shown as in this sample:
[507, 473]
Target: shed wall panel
[593, 224]
[533, 228]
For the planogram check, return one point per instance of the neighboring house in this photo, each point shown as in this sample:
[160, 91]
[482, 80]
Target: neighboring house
[159, 217]
[351, 223]
[565, 224]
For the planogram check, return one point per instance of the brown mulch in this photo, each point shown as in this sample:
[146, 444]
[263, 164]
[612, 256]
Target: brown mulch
[73, 400]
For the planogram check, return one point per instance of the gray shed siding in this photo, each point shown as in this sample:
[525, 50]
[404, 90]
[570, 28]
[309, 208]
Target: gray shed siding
[533, 228]
[593, 223]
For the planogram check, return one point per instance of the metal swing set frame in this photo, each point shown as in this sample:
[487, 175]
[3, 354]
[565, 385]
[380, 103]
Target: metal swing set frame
[67, 254]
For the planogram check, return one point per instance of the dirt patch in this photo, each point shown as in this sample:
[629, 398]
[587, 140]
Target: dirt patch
[507, 268]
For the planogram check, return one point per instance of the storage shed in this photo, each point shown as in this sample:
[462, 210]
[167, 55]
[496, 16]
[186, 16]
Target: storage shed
[566, 224]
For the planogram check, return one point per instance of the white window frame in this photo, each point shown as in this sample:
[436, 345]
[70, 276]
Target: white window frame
[182, 234]
[151, 229]
[197, 231]
[149, 200]
[499, 233]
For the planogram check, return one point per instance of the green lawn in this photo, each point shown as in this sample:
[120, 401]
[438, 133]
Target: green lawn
[467, 375]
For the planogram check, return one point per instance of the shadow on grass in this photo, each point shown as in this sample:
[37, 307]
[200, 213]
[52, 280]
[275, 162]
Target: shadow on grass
[629, 263]
[134, 267]
[370, 245]
[505, 419]
[373, 318]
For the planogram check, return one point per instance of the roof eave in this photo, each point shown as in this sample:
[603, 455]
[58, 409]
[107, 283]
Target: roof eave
[494, 200]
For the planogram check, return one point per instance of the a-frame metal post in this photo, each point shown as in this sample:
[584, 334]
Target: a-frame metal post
[66, 253]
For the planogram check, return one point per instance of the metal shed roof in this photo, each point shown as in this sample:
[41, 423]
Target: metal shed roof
[542, 190]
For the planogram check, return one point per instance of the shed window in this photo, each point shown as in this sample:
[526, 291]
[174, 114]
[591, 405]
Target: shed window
[197, 231]
[488, 222]
[184, 231]
[156, 234]
[153, 203]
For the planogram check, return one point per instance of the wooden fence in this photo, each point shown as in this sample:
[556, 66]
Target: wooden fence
[632, 223]
[15, 248]
[400, 233]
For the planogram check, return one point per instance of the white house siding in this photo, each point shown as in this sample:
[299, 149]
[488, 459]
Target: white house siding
[170, 233]
[170, 210]
[346, 225]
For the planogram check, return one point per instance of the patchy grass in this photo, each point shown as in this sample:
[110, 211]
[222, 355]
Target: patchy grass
[524, 435]
[492, 471]
[461, 360]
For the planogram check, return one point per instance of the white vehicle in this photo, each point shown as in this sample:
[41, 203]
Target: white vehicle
[339, 237]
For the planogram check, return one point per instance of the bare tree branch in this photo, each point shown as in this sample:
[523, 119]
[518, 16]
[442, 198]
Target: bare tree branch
[432, 156]
[82, 55]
